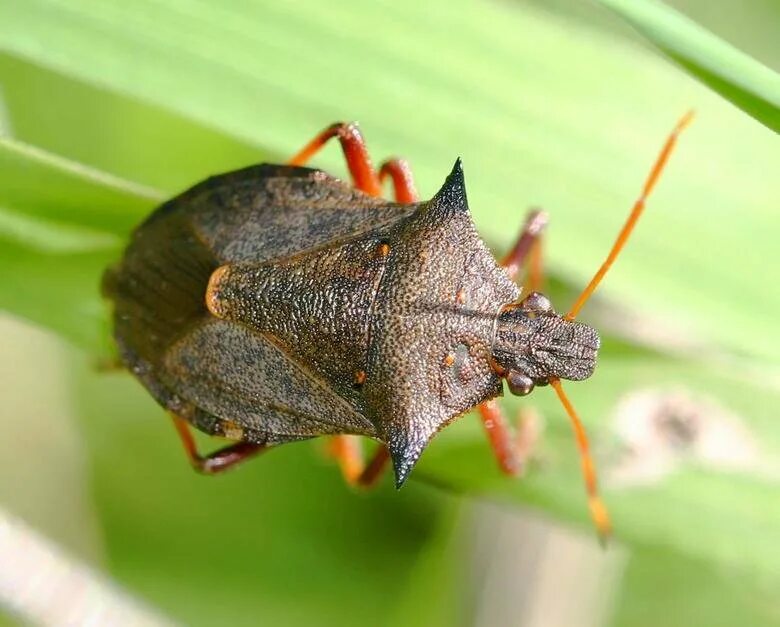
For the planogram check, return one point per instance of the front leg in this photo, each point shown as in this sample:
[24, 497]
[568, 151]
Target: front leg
[513, 449]
[527, 250]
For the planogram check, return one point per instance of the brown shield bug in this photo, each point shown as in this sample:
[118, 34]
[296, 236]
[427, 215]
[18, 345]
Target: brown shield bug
[276, 303]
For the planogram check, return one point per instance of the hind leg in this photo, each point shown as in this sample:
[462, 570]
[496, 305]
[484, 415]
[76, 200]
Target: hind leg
[218, 461]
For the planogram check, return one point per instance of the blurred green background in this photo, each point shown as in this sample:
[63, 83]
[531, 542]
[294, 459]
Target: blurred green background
[107, 107]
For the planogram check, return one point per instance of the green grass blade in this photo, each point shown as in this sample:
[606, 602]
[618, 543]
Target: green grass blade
[542, 111]
[736, 76]
[61, 224]
[41, 185]
[59, 291]
[110, 132]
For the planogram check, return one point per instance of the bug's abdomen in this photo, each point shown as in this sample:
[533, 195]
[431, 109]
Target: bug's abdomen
[316, 306]
[157, 291]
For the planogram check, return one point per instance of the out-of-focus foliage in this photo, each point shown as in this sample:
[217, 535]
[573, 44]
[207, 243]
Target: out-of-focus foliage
[112, 106]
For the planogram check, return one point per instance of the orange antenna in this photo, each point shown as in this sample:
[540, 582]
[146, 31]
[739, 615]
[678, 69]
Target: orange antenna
[636, 211]
[598, 511]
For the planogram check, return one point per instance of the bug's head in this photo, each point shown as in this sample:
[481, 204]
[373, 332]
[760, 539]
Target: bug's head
[533, 344]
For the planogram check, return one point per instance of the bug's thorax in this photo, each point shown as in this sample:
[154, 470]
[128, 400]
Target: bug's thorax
[533, 344]
[432, 325]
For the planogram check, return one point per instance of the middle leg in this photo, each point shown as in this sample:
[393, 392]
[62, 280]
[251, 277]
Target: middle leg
[347, 449]
[355, 152]
[403, 181]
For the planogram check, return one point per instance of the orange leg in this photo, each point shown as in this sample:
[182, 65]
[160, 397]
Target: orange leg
[534, 278]
[512, 450]
[355, 152]
[218, 461]
[403, 182]
[348, 451]
[527, 249]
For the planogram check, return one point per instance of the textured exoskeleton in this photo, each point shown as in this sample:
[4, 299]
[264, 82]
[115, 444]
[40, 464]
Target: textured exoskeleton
[277, 303]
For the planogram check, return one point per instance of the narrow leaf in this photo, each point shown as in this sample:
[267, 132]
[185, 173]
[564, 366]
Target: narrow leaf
[751, 86]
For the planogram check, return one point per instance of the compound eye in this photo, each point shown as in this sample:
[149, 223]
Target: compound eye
[537, 303]
[519, 384]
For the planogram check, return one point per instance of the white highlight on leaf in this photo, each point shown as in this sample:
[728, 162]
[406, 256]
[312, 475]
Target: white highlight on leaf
[660, 430]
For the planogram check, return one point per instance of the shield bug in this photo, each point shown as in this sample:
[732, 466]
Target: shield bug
[276, 303]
